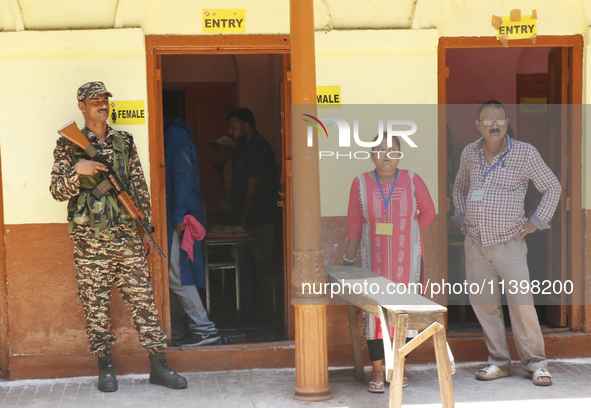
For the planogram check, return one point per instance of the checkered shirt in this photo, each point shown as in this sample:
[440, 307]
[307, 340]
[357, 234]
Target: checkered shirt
[500, 215]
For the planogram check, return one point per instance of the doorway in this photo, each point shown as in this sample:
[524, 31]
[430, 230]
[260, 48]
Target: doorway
[536, 83]
[208, 77]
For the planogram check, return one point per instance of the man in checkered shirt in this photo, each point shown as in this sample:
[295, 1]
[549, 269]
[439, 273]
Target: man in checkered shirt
[489, 194]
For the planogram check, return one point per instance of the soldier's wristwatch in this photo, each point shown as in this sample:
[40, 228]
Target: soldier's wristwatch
[150, 229]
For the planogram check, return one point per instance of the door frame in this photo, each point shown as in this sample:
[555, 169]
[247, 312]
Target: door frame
[575, 231]
[156, 46]
[4, 333]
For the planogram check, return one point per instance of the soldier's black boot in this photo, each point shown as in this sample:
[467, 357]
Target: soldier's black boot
[162, 374]
[107, 379]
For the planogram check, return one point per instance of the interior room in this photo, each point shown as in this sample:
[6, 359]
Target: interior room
[207, 88]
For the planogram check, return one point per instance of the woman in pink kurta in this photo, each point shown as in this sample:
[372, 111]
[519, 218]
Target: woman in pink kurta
[386, 221]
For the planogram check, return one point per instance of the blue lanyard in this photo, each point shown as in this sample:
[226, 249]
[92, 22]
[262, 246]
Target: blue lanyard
[386, 201]
[497, 162]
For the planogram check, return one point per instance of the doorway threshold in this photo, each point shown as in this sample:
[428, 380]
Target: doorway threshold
[477, 332]
[560, 343]
[246, 356]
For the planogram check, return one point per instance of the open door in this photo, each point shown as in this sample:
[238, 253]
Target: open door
[158, 266]
[562, 141]
[556, 312]
[285, 193]
[206, 107]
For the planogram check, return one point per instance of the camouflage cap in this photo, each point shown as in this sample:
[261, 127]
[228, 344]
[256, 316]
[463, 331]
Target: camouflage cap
[91, 90]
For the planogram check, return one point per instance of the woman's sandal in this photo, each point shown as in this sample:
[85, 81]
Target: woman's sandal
[376, 387]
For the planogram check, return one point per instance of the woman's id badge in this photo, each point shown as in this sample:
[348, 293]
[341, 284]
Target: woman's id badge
[477, 195]
[384, 228]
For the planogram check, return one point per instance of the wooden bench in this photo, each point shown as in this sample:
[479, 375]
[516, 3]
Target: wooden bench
[403, 312]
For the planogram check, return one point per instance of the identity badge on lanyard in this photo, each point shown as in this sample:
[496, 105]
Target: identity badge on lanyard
[385, 228]
[478, 195]
[486, 173]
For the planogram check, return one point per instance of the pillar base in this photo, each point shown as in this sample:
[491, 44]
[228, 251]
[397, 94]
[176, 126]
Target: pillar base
[310, 395]
[311, 353]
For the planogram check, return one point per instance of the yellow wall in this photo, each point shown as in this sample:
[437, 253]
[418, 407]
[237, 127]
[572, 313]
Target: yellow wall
[451, 17]
[377, 67]
[473, 18]
[40, 72]
[184, 16]
[39, 75]
[78, 14]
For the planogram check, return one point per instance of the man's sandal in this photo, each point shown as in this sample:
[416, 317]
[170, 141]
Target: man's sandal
[491, 372]
[376, 387]
[538, 376]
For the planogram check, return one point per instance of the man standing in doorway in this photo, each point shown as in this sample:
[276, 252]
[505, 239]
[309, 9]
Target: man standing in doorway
[489, 194]
[254, 191]
[107, 246]
[183, 198]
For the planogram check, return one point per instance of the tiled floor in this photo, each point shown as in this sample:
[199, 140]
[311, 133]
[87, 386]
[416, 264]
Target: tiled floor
[274, 388]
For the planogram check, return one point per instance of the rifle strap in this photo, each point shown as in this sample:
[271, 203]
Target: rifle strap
[114, 204]
[121, 165]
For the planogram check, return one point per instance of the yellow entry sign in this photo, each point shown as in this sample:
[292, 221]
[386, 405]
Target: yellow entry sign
[329, 95]
[127, 113]
[517, 30]
[216, 21]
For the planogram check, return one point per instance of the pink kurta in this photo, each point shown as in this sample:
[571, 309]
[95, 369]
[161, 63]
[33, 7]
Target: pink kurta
[390, 254]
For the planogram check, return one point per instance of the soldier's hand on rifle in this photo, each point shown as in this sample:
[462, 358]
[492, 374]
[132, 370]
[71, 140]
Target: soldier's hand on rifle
[89, 167]
[148, 246]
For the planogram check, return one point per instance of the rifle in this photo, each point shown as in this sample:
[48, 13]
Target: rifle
[112, 181]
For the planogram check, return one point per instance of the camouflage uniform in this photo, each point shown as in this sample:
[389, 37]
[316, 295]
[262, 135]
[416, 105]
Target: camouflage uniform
[116, 256]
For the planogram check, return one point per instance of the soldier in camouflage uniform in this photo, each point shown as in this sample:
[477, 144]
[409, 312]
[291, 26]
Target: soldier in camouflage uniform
[107, 246]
